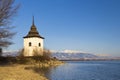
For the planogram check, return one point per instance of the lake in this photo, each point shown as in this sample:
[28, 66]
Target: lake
[85, 70]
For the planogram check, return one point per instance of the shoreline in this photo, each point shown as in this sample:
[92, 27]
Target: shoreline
[25, 71]
[18, 72]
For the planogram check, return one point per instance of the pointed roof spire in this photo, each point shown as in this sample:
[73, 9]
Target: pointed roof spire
[33, 31]
[33, 21]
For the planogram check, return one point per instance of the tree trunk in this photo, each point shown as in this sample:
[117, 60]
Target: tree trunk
[0, 51]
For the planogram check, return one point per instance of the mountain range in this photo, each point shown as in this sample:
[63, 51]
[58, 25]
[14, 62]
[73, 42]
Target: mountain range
[77, 55]
[70, 55]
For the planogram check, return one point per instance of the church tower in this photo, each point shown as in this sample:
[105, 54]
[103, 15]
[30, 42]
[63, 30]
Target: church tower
[33, 42]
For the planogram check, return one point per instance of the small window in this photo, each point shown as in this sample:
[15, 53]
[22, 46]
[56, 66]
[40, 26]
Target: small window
[30, 44]
[39, 44]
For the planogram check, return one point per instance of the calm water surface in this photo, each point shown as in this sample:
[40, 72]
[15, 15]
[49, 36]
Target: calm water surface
[85, 70]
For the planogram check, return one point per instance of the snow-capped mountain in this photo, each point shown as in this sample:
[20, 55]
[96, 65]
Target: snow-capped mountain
[79, 55]
[10, 53]
[70, 55]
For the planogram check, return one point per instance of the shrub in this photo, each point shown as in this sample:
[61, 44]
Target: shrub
[46, 55]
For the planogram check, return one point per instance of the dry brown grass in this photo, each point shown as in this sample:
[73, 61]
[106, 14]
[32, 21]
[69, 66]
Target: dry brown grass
[18, 72]
[25, 71]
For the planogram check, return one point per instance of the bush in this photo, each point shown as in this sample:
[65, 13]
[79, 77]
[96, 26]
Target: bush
[45, 56]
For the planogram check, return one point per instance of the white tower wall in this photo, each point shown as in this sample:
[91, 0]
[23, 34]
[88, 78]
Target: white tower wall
[33, 45]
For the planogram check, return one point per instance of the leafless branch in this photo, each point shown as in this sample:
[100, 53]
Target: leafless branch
[7, 12]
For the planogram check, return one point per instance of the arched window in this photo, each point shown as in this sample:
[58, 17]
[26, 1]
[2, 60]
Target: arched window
[30, 44]
[39, 44]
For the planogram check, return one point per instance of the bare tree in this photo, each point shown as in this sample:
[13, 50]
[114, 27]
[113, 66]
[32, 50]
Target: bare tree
[7, 12]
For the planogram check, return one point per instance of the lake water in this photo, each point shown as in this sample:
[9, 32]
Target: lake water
[85, 70]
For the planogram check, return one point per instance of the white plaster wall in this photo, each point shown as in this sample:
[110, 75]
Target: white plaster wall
[29, 50]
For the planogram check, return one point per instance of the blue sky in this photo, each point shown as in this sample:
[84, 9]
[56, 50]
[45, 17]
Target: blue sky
[87, 25]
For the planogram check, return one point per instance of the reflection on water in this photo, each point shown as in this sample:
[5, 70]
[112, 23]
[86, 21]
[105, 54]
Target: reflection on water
[84, 70]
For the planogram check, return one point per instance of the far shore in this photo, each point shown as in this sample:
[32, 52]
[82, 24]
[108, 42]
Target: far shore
[90, 60]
